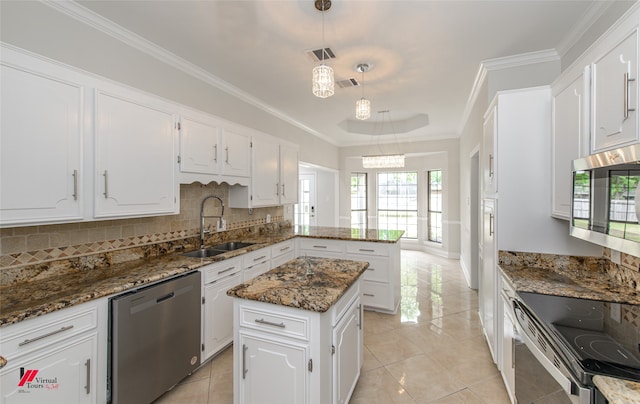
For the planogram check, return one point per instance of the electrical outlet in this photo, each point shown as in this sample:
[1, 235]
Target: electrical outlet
[614, 311]
[615, 257]
[268, 218]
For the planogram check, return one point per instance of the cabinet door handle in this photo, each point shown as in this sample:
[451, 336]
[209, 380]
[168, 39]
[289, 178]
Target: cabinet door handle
[225, 270]
[244, 360]
[259, 258]
[88, 386]
[106, 189]
[319, 246]
[284, 249]
[491, 224]
[360, 315]
[626, 111]
[491, 166]
[371, 269]
[366, 250]
[75, 185]
[368, 294]
[263, 321]
[283, 194]
[215, 153]
[277, 188]
[226, 160]
[28, 341]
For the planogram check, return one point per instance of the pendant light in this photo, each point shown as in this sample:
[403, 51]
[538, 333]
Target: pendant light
[323, 84]
[385, 160]
[363, 106]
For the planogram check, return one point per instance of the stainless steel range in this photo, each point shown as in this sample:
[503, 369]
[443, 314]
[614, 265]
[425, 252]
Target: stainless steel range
[573, 340]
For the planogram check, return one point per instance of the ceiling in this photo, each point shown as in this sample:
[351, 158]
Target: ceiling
[424, 55]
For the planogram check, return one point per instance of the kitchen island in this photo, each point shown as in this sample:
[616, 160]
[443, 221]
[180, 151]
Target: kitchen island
[298, 332]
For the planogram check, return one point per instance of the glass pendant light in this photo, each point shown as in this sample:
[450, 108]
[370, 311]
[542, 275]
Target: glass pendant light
[363, 106]
[323, 83]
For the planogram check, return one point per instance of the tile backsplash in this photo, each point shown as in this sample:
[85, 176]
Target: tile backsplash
[20, 246]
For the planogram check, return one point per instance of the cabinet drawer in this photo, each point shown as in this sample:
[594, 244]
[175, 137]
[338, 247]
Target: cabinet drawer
[368, 248]
[282, 248]
[376, 294]
[256, 257]
[321, 245]
[213, 272]
[277, 261]
[343, 304]
[280, 324]
[30, 335]
[378, 270]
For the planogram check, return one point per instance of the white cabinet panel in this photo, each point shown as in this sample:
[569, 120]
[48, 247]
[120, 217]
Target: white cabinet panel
[487, 291]
[288, 175]
[236, 155]
[489, 155]
[264, 179]
[348, 354]
[614, 90]
[217, 315]
[199, 148]
[135, 158]
[41, 146]
[569, 136]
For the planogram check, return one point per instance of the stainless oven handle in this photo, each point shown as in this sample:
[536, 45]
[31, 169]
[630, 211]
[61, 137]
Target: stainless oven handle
[559, 377]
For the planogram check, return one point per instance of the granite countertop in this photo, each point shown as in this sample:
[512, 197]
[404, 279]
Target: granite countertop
[27, 299]
[289, 285]
[618, 391]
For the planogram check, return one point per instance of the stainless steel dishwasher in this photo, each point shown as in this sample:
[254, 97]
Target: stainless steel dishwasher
[154, 339]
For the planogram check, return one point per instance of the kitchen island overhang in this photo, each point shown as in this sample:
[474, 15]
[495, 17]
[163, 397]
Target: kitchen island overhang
[298, 337]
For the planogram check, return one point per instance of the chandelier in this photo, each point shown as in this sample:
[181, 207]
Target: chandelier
[323, 84]
[384, 160]
[363, 106]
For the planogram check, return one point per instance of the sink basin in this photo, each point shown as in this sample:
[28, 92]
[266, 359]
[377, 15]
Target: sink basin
[231, 246]
[217, 249]
[203, 253]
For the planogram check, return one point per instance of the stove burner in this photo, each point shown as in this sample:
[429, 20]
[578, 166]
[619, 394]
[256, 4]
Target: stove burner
[599, 352]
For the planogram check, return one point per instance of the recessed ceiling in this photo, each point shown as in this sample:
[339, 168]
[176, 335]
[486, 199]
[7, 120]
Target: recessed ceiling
[426, 53]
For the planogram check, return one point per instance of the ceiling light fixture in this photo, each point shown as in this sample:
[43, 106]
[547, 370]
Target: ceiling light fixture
[363, 106]
[385, 160]
[323, 84]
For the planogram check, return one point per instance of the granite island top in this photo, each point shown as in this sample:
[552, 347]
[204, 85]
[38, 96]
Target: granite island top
[23, 299]
[290, 285]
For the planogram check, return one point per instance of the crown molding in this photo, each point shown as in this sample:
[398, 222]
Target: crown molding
[593, 13]
[96, 21]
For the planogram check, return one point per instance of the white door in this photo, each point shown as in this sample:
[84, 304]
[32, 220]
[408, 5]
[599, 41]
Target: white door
[487, 291]
[217, 315]
[305, 209]
[288, 175]
[264, 172]
[235, 154]
[199, 146]
[347, 358]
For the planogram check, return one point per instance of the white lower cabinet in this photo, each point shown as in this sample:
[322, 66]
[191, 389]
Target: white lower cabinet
[507, 348]
[56, 358]
[282, 252]
[286, 355]
[217, 307]
[256, 263]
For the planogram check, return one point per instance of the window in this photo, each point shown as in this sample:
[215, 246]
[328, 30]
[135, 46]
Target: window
[398, 202]
[359, 201]
[434, 207]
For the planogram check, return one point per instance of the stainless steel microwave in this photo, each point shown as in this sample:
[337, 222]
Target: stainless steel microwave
[605, 203]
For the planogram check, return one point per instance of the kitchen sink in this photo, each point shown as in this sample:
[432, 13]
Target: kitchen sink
[204, 253]
[217, 249]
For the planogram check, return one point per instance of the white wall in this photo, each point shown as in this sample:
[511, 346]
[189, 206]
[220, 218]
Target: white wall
[40, 29]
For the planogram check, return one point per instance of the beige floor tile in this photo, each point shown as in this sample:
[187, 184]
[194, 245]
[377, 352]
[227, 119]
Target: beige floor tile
[369, 362]
[491, 390]
[391, 347]
[464, 396]
[378, 386]
[191, 392]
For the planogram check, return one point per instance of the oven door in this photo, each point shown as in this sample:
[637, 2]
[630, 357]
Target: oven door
[541, 375]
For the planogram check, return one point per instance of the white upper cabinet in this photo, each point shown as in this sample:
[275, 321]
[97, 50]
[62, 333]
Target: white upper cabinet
[274, 175]
[136, 158]
[288, 174]
[199, 146]
[236, 149]
[41, 145]
[570, 110]
[489, 142]
[614, 92]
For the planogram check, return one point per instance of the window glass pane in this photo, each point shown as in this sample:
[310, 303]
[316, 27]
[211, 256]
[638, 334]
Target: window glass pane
[398, 202]
[359, 200]
[434, 207]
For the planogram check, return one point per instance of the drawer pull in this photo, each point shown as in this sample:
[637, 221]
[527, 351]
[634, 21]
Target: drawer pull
[259, 258]
[263, 321]
[225, 270]
[88, 386]
[319, 246]
[368, 294]
[285, 248]
[244, 361]
[366, 250]
[371, 269]
[28, 341]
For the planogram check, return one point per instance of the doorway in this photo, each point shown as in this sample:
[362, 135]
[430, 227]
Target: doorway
[305, 209]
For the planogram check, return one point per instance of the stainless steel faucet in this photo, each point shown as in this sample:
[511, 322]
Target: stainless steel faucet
[202, 217]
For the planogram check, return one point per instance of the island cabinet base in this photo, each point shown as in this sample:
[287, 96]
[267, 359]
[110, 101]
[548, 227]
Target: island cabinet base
[287, 355]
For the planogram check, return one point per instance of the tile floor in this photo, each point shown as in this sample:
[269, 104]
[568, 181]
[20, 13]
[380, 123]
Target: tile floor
[431, 351]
